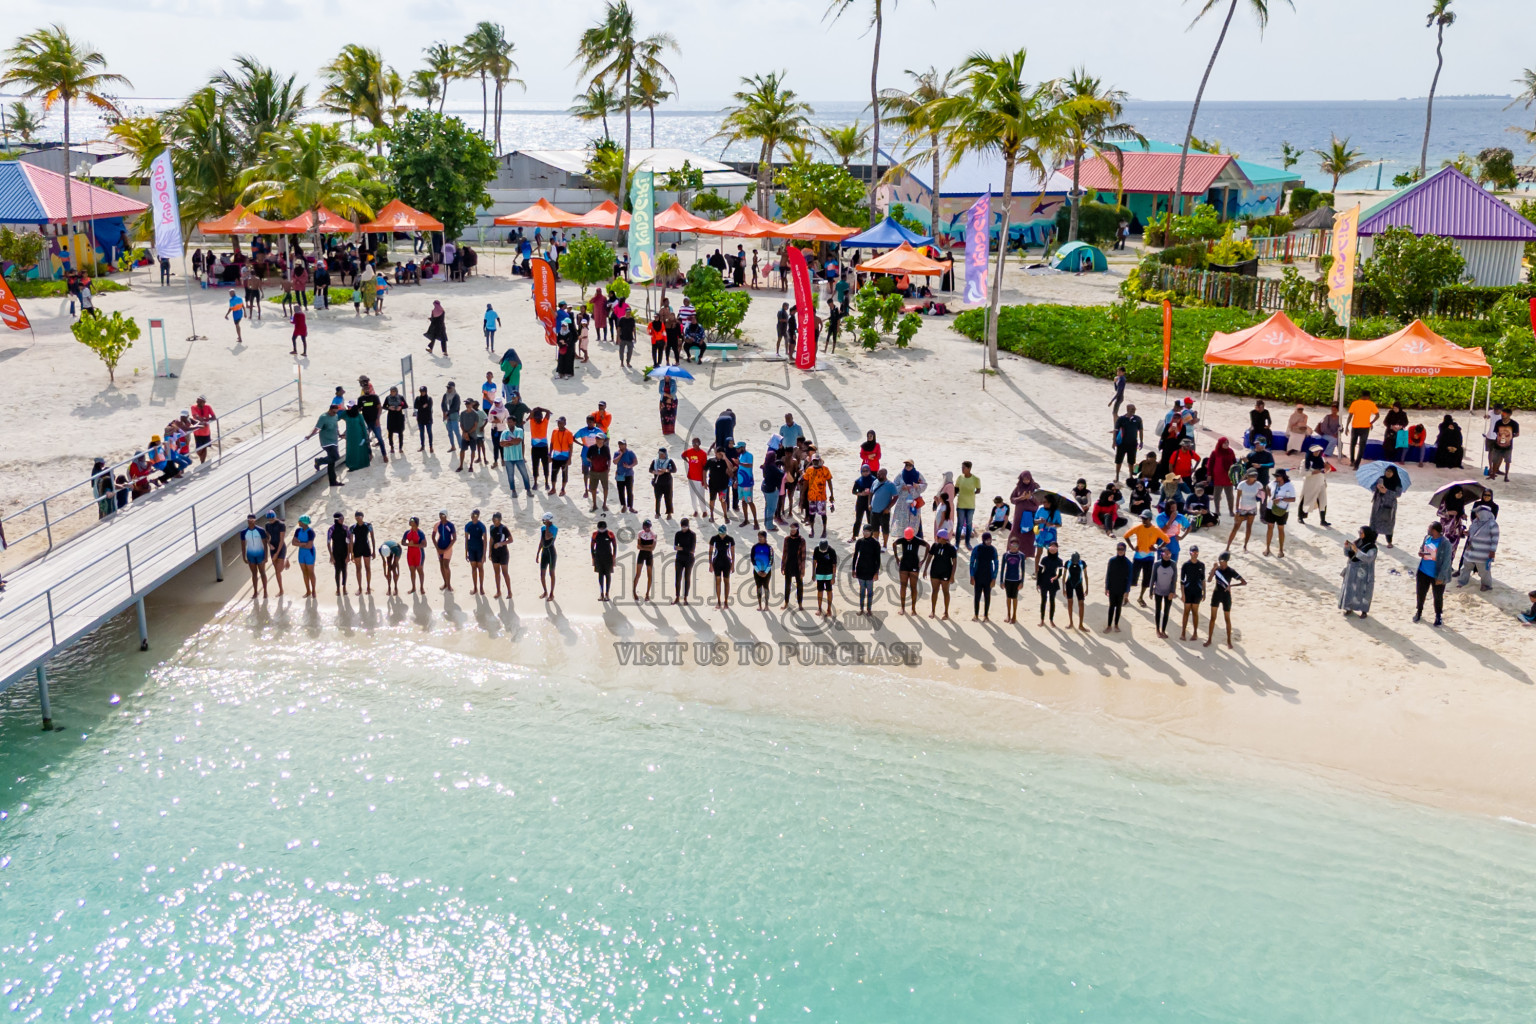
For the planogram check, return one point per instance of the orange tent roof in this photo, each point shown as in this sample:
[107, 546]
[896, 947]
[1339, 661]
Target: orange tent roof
[1277, 342]
[742, 224]
[1414, 351]
[601, 216]
[239, 222]
[675, 218]
[903, 260]
[816, 227]
[396, 216]
[542, 214]
[330, 223]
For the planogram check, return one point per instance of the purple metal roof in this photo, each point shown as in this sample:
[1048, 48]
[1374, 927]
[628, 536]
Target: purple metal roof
[1450, 204]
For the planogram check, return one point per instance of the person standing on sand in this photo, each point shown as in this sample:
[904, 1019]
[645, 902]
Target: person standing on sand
[1192, 590]
[1128, 437]
[1117, 586]
[1165, 578]
[389, 551]
[1482, 546]
[236, 311]
[722, 560]
[492, 321]
[545, 556]
[474, 552]
[792, 565]
[501, 554]
[1250, 493]
[684, 545]
[940, 565]
[300, 333]
[338, 540]
[253, 546]
[277, 544]
[1225, 579]
[1359, 573]
[1384, 495]
[694, 457]
[304, 541]
[762, 570]
[911, 554]
[645, 556]
[824, 569]
[450, 404]
[1363, 414]
[1434, 572]
[361, 536]
[437, 329]
[1118, 397]
[864, 567]
[1314, 487]
[983, 572]
[1013, 566]
[1282, 495]
[605, 550]
[415, 541]
[423, 407]
[663, 469]
[394, 420]
[818, 490]
[444, 535]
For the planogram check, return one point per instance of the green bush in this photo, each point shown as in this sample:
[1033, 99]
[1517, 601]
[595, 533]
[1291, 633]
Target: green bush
[1096, 222]
[1273, 226]
[875, 314]
[55, 289]
[1230, 251]
[720, 310]
[1407, 269]
[618, 288]
[1193, 256]
[1322, 199]
[1201, 223]
[1097, 339]
[1301, 200]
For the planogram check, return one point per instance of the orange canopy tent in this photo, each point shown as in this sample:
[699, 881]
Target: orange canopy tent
[240, 222]
[396, 216]
[815, 227]
[675, 218]
[601, 216]
[1414, 351]
[1277, 342]
[742, 224]
[330, 223]
[904, 260]
[542, 214]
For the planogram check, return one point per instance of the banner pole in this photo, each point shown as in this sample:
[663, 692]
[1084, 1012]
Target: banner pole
[187, 288]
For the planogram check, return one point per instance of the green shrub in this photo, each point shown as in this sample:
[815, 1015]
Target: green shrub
[1273, 226]
[719, 310]
[1201, 223]
[55, 289]
[1096, 339]
[618, 288]
[1096, 222]
[1322, 199]
[874, 315]
[1229, 250]
[1301, 200]
[1407, 269]
[108, 336]
[1193, 256]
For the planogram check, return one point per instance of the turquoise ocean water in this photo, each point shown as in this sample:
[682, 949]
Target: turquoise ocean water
[312, 831]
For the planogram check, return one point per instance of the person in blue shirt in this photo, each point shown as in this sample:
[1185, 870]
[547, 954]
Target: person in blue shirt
[474, 552]
[791, 431]
[624, 462]
[304, 541]
[746, 484]
[492, 321]
[589, 431]
[1434, 572]
[444, 534]
[253, 546]
[862, 488]
[773, 481]
[882, 497]
[983, 572]
[762, 570]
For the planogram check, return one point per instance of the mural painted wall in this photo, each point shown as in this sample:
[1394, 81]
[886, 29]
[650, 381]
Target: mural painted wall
[1030, 229]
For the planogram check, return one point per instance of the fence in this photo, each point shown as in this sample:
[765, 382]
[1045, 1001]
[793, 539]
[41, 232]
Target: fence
[36, 528]
[98, 580]
[1292, 246]
[1236, 290]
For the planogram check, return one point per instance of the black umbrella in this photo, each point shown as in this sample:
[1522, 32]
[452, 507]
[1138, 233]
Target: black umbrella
[1474, 491]
[1067, 506]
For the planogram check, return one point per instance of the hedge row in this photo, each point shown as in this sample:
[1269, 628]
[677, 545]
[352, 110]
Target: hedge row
[1089, 340]
[55, 289]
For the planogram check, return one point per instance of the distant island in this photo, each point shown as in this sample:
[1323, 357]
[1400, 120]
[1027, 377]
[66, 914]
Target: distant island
[1464, 96]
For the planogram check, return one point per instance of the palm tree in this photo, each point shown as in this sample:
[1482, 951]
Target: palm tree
[771, 115]
[1000, 113]
[1338, 160]
[650, 92]
[355, 85]
[1527, 96]
[1290, 156]
[1440, 17]
[205, 154]
[610, 52]
[845, 142]
[915, 114]
[445, 62]
[595, 105]
[23, 122]
[1260, 11]
[1092, 110]
[48, 63]
[425, 86]
[478, 53]
[836, 9]
[501, 73]
[309, 166]
[259, 101]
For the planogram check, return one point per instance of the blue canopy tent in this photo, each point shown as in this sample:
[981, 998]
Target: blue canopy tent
[886, 235]
[1079, 256]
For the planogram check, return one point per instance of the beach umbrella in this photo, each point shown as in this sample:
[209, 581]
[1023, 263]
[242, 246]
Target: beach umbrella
[1474, 489]
[1064, 503]
[1367, 475]
[675, 372]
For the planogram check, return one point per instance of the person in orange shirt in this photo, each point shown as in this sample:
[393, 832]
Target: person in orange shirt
[1146, 539]
[561, 444]
[538, 443]
[1363, 414]
[818, 493]
[603, 418]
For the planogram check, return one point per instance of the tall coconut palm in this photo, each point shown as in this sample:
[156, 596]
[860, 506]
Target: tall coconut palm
[205, 154]
[1440, 18]
[1092, 110]
[844, 142]
[916, 115]
[259, 101]
[768, 113]
[651, 92]
[835, 10]
[595, 105]
[478, 51]
[309, 166]
[23, 122]
[611, 52]
[1526, 96]
[1260, 11]
[1338, 160]
[49, 64]
[445, 62]
[1000, 113]
[355, 85]
[425, 86]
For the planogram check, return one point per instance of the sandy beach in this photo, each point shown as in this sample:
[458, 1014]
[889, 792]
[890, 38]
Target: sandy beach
[1437, 716]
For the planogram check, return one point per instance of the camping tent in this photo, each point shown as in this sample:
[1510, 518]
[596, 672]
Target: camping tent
[396, 216]
[1416, 351]
[1079, 256]
[600, 217]
[542, 214]
[742, 224]
[904, 260]
[816, 227]
[1277, 343]
[888, 234]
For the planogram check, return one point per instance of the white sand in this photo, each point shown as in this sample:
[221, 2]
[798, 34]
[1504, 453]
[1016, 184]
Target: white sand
[1440, 716]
